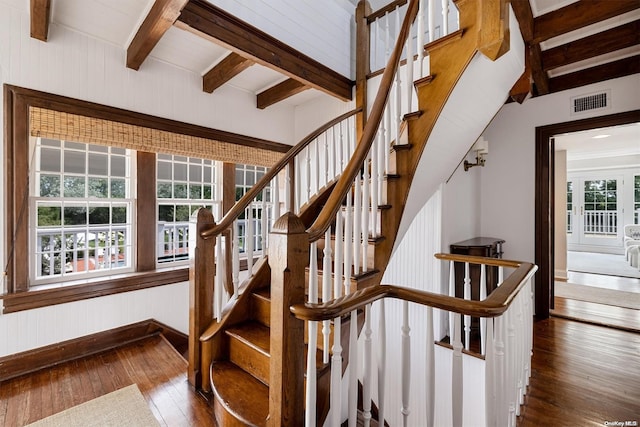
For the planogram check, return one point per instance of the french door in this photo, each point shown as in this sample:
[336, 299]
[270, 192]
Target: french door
[594, 211]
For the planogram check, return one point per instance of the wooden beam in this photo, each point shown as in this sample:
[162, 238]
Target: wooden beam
[524, 15]
[279, 92]
[161, 17]
[232, 65]
[210, 21]
[540, 77]
[611, 70]
[40, 14]
[363, 61]
[589, 47]
[493, 40]
[578, 15]
[522, 88]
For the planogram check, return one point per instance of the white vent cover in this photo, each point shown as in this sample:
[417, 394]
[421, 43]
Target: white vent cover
[595, 101]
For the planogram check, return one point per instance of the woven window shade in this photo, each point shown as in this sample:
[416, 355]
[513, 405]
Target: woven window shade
[72, 127]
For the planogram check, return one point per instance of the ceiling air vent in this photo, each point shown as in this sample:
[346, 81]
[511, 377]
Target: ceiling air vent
[596, 101]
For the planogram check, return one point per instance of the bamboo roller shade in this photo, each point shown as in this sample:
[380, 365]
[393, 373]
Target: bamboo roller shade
[72, 127]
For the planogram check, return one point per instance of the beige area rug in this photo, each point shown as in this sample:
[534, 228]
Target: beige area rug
[598, 295]
[124, 407]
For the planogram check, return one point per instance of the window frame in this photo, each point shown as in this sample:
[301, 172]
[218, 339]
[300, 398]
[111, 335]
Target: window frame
[19, 294]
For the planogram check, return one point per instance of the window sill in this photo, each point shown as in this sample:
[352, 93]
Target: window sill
[60, 293]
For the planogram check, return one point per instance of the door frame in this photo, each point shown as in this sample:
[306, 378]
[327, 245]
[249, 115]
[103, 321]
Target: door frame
[544, 198]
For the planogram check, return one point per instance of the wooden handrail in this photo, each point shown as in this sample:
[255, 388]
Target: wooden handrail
[245, 200]
[384, 10]
[344, 184]
[494, 305]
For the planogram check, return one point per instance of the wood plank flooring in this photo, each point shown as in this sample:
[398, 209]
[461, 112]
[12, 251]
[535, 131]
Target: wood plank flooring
[153, 364]
[582, 375]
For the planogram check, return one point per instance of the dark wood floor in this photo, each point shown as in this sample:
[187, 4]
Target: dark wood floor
[582, 375]
[153, 364]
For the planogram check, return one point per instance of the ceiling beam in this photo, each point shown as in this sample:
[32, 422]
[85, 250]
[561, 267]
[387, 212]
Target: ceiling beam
[40, 13]
[160, 18]
[578, 15]
[610, 70]
[279, 92]
[232, 65]
[540, 78]
[621, 37]
[248, 41]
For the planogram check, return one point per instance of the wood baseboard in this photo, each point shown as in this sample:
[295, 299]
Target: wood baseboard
[30, 361]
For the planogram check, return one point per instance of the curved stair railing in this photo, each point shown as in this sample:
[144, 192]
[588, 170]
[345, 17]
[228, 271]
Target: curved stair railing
[348, 244]
[507, 314]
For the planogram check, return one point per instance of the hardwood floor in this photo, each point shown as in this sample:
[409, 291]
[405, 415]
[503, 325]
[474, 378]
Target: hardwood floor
[582, 375]
[153, 364]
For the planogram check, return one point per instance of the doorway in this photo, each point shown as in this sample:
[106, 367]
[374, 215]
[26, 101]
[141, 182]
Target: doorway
[545, 198]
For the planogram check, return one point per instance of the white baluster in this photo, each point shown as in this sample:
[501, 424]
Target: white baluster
[483, 296]
[308, 150]
[310, 396]
[430, 367]
[366, 368]
[366, 191]
[382, 149]
[317, 164]
[502, 410]
[452, 293]
[326, 158]
[457, 379]
[219, 286]
[338, 260]
[334, 154]
[249, 238]
[489, 378]
[288, 203]
[467, 296]
[420, 37]
[510, 355]
[353, 369]
[340, 149]
[500, 275]
[357, 227]
[382, 361]
[276, 199]
[326, 292]
[445, 17]
[409, 69]
[431, 15]
[297, 202]
[264, 216]
[336, 375]
[375, 184]
[406, 363]
[348, 243]
[235, 260]
[397, 101]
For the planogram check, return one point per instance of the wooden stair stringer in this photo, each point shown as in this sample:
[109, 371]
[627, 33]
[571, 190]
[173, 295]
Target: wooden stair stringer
[446, 68]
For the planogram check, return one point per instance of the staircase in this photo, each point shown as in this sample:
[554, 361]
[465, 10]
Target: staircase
[352, 222]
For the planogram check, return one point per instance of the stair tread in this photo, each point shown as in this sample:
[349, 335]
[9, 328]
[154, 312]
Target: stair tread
[253, 334]
[264, 293]
[240, 393]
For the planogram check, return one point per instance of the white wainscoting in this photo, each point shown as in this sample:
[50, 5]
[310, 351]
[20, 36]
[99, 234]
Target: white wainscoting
[29, 329]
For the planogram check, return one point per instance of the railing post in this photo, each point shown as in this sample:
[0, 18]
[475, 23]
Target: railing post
[363, 56]
[288, 257]
[202, 271]
[493, 39]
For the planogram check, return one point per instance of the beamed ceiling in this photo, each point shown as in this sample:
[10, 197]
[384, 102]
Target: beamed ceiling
[571, 43]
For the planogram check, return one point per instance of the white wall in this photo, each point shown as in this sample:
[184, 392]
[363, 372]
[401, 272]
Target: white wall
[74, 65]
[560, 219]
[508, 179]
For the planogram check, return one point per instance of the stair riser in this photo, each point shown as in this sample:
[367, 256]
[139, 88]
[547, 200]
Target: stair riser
[261, 310]
[248, 358]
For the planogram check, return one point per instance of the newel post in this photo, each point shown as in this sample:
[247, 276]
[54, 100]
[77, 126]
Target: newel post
[202, 271]
[288, 258]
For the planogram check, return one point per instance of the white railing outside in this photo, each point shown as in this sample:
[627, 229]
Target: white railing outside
[600, 222]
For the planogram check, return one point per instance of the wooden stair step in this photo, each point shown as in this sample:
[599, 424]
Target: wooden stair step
[239, 398]
[249, 345]
[261, 304]
[423, 81]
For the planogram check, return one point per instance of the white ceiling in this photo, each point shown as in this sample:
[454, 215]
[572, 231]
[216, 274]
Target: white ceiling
[602, 142]
[116, 22]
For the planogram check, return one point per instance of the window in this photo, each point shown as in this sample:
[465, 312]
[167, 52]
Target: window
[569, 206]
[183, 186]
[82, 210]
